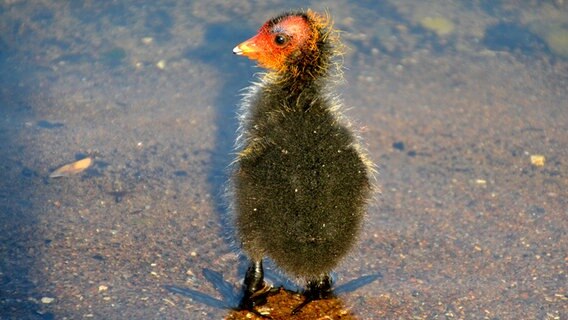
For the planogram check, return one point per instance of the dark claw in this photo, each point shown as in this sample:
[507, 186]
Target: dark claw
[258, 298]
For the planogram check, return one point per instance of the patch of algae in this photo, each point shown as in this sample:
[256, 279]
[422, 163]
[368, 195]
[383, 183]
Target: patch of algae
[441, 26]
[555, 35]
[557, 41]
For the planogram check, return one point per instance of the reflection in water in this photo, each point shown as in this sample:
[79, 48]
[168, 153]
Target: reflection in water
[506, 36]
[357, 283]
[280, 302]
[199, 297]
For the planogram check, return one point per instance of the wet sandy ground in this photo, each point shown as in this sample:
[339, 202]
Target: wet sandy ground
[465, 226]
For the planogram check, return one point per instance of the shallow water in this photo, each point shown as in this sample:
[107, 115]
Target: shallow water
[451, 98]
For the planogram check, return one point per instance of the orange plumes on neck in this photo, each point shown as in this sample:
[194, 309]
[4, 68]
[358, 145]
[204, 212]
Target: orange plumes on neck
[289, 43]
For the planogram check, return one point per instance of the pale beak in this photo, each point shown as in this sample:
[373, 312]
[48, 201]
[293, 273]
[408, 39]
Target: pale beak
[247, 48]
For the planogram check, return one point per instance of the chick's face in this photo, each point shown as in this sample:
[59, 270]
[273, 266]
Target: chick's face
[278, 43]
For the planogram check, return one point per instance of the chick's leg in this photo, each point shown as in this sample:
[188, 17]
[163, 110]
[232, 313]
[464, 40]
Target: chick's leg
[255, 288]
[319, 288]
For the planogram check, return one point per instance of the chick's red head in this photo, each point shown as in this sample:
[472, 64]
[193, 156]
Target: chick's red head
[280, 40]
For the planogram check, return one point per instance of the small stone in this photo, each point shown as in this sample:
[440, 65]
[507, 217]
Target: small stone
[103, 288]
[47, 300]
[399, 145]
[161, 64]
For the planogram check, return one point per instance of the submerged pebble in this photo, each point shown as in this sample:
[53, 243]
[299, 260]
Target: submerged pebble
[47, 300]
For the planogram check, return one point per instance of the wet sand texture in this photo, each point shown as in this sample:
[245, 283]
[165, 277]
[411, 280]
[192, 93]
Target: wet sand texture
[462, 107]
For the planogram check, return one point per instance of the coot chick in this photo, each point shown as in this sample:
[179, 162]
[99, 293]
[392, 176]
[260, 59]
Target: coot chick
[300, 180]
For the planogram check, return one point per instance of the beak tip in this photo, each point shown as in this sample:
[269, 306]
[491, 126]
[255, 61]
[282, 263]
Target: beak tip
[238, 51]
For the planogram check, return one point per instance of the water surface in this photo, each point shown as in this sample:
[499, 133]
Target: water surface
[452, 98]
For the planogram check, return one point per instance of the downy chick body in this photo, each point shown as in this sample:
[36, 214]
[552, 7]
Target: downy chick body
[300, 180]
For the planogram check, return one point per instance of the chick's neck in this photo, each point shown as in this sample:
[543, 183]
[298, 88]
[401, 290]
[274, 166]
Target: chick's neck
[306, 69]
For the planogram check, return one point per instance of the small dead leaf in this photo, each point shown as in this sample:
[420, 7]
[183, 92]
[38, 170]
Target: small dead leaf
[72, 168]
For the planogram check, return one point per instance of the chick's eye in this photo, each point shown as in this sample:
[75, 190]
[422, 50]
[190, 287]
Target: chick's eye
[280, 39]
